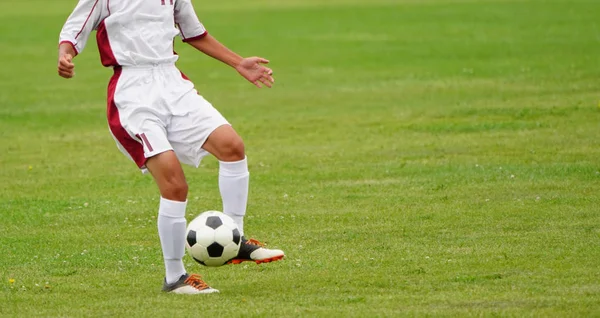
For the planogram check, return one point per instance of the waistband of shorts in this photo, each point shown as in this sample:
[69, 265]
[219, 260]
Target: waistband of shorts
[144, 66]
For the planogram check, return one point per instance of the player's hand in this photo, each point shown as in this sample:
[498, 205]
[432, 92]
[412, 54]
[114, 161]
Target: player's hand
[66, 68]
[252, 69]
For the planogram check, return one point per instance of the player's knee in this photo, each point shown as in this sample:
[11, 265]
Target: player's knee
[232, 150]
[175, 189]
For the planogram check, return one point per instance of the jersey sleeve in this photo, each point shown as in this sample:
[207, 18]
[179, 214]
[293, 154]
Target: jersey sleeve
[190, 28]
[86, 17]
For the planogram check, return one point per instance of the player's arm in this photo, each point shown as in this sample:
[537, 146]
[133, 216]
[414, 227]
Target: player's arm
[194, 33]
[250, 68]
[74, 35]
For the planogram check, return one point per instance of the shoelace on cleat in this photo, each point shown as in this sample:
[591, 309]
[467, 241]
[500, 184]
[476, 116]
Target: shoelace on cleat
[254, 242]
[196, 281]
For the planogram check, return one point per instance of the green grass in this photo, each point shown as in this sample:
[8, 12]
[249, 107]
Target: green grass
[416, 158]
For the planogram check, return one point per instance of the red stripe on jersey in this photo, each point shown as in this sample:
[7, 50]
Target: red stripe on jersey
[86, 20]
[133, 147]
[195, 37]
[107, 57]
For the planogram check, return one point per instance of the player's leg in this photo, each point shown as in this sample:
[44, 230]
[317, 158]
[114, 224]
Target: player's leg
[170, 179]
[227, 146]
[197, 129]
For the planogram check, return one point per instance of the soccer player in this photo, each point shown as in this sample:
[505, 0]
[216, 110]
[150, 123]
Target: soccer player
[159, 120]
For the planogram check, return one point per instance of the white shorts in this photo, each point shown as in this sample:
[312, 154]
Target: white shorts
[153, 109]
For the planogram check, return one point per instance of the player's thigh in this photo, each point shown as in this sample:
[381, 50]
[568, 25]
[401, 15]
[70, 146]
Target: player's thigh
[196, 119]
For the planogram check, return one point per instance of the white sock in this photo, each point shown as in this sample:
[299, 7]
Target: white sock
[233, 183]
[171, 230]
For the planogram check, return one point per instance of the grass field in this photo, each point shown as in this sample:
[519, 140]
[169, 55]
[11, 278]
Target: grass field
[416, 158]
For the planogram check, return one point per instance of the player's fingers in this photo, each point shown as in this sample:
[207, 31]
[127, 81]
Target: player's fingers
[266, 82]
[64, 67]
[261, 60]
[65, 74]
[268, 71]
[257, 84]
[269, 78]
[66, 64]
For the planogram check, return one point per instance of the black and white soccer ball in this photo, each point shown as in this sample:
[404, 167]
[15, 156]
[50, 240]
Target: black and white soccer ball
[213, 238]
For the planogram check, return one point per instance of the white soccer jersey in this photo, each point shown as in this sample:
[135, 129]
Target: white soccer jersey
[132, 32]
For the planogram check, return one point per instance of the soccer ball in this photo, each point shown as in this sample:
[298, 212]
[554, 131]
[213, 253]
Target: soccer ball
[212, 238]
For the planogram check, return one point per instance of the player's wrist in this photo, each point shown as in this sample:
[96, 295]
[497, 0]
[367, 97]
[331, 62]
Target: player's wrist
[237, 62]
[67, 47]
